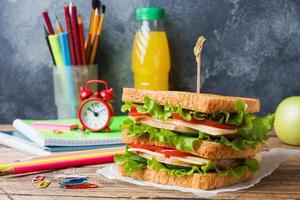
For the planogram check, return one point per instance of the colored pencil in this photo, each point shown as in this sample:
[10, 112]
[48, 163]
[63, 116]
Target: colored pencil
[48, 23]
[59, 28]
[88, 42]
[58, 165]
[57, 159]
[81, 39]
[70, 35]
[96, 4]
[76, 35]
[64, 45]
[55, 48]
[88, 47]
[96, 22]
[97, 37]
[92, 34]
[76, 153]
[48, 44]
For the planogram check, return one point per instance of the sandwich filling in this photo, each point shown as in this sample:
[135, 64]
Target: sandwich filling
[137, 157]
[181, 128]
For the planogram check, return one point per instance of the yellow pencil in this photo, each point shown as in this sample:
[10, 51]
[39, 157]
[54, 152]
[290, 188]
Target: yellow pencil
[96, 38]
[6, 166]
[73, 153]
[95, 22]
[59, 27]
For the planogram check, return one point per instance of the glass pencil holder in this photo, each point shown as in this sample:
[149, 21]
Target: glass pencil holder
[67, 81]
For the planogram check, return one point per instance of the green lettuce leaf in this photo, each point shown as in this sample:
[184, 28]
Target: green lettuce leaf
[164, 112]
[134, 162]
[181, 142]
[186, 143]
[126, 107]
[131, 161]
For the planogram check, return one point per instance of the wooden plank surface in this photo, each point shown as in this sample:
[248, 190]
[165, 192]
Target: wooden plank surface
[284, 183]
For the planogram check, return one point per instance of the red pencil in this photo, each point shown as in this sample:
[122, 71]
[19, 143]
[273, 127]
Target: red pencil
[76, 35]
[70, 35]
[81, 40]
[48, 23]
[59, 165]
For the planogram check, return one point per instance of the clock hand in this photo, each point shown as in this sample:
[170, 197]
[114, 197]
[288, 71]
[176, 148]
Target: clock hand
[103, 109]
[95, 114]
[91, 110]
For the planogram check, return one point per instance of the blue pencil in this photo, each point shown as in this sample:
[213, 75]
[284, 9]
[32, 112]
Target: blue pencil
[68, 69]
[64, 45]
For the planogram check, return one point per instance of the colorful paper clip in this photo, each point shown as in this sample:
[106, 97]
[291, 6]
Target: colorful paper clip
[44, 183]
[76, 183]
[81, 186]
[75, 180]
[38, 179]
[41, 181]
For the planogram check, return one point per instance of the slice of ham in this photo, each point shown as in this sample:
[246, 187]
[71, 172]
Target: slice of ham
[185, 127]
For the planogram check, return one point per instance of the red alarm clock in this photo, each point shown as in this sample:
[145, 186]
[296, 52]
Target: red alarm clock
[95, 111]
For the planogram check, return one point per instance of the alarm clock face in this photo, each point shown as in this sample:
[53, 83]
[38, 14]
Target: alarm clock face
[94, 114]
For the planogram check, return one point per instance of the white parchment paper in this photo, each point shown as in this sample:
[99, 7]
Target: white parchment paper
[270, 161]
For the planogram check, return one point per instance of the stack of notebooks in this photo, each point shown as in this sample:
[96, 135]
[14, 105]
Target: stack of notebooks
[39, 141]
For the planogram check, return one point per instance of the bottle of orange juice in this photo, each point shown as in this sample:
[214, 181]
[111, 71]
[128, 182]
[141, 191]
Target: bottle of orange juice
[150, 54]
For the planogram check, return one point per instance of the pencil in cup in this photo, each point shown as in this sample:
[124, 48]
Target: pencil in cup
[76, 36]
[48, 44]
[55, 48]
[48, 23]
[64, 45]
[96, 38]
[70, 35]
[81, 40]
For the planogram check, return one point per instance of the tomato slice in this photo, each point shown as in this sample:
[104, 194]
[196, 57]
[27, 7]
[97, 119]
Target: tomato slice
[148, 147]
[206, 122]
[174, 152]
[134, 113]
[166, 151]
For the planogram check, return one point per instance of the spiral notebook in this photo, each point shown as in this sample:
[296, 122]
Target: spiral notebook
[10, 140]
[70, 138]
[18, 141]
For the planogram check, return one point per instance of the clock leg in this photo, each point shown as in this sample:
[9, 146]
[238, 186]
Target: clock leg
[107, 129]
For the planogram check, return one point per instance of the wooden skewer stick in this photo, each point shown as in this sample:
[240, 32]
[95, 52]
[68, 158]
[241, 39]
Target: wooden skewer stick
[197, 52]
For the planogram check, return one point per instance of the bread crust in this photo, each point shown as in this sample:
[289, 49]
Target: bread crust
[206, 103]
[196, 180]
[205, 149]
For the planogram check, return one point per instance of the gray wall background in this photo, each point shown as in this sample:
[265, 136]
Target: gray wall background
[252, 49]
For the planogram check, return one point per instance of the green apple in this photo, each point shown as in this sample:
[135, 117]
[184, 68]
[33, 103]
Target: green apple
[287, 120]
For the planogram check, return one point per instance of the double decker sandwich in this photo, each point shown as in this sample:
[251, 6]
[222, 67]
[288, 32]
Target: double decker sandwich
[194, 140]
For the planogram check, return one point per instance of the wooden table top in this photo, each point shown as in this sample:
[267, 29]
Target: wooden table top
[283, 183]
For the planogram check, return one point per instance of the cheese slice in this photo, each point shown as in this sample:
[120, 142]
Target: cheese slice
[167, 125]
[204, 128]
[174, 160]
[185, 127]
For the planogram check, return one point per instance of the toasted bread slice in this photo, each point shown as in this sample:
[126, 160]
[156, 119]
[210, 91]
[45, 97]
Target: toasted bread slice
[196, 180]
[206, 103]
[204, 149]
